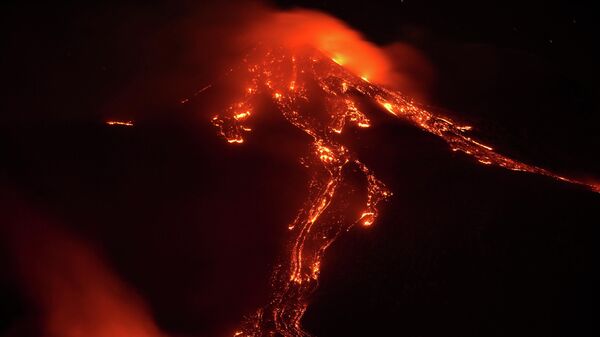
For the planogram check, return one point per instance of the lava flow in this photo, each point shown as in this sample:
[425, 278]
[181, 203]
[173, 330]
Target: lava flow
[119, 123]
[293, 75]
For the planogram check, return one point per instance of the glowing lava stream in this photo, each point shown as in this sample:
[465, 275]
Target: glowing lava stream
[286, 75]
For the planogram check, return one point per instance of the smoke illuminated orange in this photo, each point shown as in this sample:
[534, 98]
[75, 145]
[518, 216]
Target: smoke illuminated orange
[77, 293]
[345, 46]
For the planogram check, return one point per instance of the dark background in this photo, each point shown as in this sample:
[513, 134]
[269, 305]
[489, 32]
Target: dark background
[194, 225]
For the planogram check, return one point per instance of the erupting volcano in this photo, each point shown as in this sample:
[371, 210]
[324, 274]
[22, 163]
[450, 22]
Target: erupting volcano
[316, 62]
[254, 169]
[295, 74]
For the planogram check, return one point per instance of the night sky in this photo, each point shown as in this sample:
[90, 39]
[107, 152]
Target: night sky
[194, 226]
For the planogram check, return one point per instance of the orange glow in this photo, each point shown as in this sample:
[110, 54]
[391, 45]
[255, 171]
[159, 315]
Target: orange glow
[367, 218]
[388, 106]
[307, 28]
[242, 115]
[121, 123]
[344, 86]
[76, 292]
[339, 60]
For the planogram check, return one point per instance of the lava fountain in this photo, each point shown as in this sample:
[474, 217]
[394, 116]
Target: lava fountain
[303, 56]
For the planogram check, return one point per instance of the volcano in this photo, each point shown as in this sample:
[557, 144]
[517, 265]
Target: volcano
[322, 178]
[293, 79]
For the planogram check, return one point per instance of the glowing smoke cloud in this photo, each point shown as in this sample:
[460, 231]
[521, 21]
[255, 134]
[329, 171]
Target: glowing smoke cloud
[76, 292]
[299, 57]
